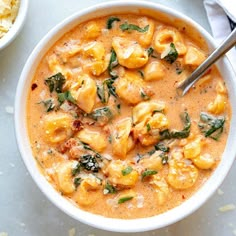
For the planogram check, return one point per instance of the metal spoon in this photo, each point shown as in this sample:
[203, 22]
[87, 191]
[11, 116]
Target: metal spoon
[227, 44]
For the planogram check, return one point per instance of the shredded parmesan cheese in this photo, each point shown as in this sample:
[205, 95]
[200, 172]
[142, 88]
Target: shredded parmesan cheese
[71, 232]
[228, 207]
[8, 13]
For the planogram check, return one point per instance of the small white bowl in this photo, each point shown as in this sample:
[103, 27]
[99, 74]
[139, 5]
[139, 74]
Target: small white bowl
[17, 25]
[119, 225]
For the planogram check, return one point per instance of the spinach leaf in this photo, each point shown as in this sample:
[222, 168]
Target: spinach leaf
[101, 92]
[111, 20]
[144, 96]
[110, 188]
[129, 27]
[112, 63]
[211, 126]
[76, 170]
[110, 86]
[77, 181]
[100, 113]
[172, 54]
[48, 104]
[166, 134]
[148, 173]
[124, 199]
[162, 147]
[55, 82]
[65, 96]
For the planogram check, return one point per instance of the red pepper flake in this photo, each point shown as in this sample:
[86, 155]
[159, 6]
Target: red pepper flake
[183, 197]
[77, 125]
[34, 86]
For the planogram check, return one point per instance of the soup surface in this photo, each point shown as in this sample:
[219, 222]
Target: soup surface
[107, 127]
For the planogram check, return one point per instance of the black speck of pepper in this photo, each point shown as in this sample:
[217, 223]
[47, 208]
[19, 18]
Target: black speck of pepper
[34, 86]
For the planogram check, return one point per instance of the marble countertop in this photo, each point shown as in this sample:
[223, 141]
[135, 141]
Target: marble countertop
[24, 210]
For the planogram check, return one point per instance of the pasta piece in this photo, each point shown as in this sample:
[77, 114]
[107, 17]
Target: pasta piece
[117, 178]
[145, 38]
[146, 109]
[154, 71]
[64, 177]
[120, 138]
[96, 60]
[149, 121]
[220, 88]
[204, 162]
[161, 188]
[132, 89]
[194, 56]
[92, 30]
[96, 140]
[166, 35]
[84, 91]
[86, 192]
[57, 127]
[218, 105]
[153, 162]
[181, 175]
[129, 53]
[192, 149]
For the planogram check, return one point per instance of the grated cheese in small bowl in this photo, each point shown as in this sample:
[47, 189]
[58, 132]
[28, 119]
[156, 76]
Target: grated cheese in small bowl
[12, 17]
[8, 12]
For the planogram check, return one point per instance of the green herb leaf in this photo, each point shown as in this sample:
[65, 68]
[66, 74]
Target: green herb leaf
[100, 113]
[89, 163]
[77, 181]
[150, 51]
[141, 73]
[111, 20]
[148, 127]
[65, 96]
[110, 188]
[102, 93]
[148, 173]
[144, 96]
[124, 199]
[164, 158]
[55, 82]
[129, 27]
[211, 126]
[166, 134]
[76, 170]
[162, 147]
[127, 170]
[110, 86]
[172, 54]
[48, 104]
[112, 63]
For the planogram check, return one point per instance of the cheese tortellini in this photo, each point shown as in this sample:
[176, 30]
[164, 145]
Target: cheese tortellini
[120, 138]
[166, 35]
[57, 127]
[129, 53]
[132, 89]
[84, 92]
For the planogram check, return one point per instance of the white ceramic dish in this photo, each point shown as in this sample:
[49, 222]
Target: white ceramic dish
[118, 225]
[17, 26]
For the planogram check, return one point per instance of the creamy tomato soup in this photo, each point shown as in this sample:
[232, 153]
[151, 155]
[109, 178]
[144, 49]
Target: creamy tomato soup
[107, 127]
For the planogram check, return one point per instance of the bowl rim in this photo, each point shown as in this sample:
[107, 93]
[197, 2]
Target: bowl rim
[112, 224]
[17, 25]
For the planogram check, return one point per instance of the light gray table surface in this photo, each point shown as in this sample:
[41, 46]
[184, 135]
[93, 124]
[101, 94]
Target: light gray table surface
[24, 210]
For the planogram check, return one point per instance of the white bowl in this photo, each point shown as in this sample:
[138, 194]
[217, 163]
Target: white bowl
[17, 25]
[119, 225]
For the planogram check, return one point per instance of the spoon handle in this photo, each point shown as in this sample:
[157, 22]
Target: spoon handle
[227, 44]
